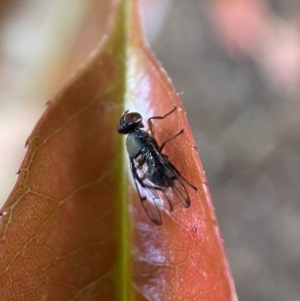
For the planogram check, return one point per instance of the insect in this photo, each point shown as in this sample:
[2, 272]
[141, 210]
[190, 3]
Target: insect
[155, 177]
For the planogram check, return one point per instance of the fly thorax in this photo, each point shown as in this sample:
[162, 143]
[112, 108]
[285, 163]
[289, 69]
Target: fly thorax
[134, 145]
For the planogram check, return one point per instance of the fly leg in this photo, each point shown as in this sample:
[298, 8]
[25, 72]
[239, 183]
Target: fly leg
[171, 138]
[150, 124]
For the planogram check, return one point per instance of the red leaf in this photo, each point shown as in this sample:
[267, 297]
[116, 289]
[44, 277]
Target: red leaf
[66, 232]
[183, 259]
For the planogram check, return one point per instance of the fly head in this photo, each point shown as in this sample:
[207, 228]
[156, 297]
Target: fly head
[129, 122]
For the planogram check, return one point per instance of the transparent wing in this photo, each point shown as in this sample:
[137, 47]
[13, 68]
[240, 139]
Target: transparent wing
[176, 194]
[147, 192]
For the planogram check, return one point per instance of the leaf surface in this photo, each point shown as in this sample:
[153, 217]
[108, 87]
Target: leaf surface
[73, 227]
[184, 258]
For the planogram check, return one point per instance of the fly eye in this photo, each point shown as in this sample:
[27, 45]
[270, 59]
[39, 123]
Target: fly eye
[132, 118]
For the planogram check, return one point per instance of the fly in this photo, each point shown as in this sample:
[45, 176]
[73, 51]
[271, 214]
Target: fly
[155, 177]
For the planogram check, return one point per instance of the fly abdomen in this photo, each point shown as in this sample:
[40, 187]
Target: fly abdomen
[157, 176]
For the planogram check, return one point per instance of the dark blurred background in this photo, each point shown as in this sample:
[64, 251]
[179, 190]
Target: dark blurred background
[236, 65]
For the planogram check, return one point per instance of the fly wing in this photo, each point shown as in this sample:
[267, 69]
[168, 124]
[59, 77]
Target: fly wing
[176, 193]
[147, 192]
